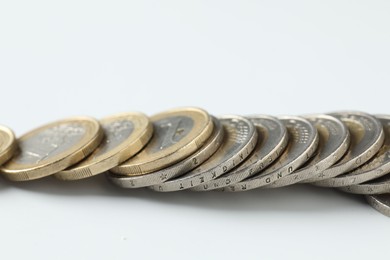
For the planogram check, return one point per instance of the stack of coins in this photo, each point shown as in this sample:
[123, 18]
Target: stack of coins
[189, 149]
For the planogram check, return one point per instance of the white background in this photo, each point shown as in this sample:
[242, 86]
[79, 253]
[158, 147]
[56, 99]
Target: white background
[65, 58]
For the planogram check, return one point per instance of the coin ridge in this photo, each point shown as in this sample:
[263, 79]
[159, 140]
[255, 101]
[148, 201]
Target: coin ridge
[58, 162]
[180, 153]
[378, 205]
[258, 181]
[363, 157]
[207, 175]
[331, 159]
[189, 163]
[369, 188]
[252, 169]
[365, 175]
[143, 130]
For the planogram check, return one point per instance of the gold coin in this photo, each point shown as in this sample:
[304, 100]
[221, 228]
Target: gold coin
[125, 135]
[8, 144]
[177, 134]
[53, 147]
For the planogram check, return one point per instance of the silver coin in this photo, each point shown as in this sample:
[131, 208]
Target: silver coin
[380, 202]
[239, 141]
[303, 142]
[377, 166]
[271, 141]
[189, 163]
[366, 139]
[333, 144]
[377, 186]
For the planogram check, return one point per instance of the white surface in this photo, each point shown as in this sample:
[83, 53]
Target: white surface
[59, 59]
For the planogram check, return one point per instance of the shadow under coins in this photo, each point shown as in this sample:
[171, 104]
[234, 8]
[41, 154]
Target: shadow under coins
[302, 197]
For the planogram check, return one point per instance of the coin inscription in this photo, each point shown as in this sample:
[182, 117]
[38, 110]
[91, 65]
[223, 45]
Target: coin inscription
[239, 140]
[303, 143]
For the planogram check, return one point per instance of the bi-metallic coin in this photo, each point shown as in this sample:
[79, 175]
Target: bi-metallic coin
[333, 144]
[186, 165]
[125, 135]
[53, 147]
[376, 167]
[367, 137]
[271, 141]
[239, 141]
[303, 142]
[177, 134]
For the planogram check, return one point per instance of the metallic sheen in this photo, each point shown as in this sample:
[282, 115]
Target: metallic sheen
[239, 141]
[303, 143]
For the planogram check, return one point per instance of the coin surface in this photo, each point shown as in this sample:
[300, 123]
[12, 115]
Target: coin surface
[53, 147]
[125, 135]
[189, 163]
[8, 144]
[333, 144]
[367, 137]
[303, 141]
[272, 139]
[377, 166]
[380, 202]
[239, 140]
[177, 134]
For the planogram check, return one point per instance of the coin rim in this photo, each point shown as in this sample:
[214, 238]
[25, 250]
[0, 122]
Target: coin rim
[9, 147]
[241, 174]
[143, 130]
[255, 182]
[91, 139]
[325, 163]
[209, 148]
[338, 169]
[187, 183]
[203, 127]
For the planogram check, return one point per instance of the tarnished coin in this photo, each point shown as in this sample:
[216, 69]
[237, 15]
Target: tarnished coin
[380, 202]
[125, 135]
[366, 139]
[376, 186]
[8, 144]
[239, 141]
[333, 144]
[177, 134]
[189, 163]
[271, 141]
[53, 147]
[377, 166]
[303, 142]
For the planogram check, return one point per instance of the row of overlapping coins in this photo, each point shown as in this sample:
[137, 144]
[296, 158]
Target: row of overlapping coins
[187, 148]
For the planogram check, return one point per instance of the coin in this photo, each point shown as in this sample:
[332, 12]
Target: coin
[271, 141]
[8, 144]
[239, 141]
[125, 135]
[303, 142]
[376, 186]
[333, 144]
[189, 163]
[53, 147]
[366, 139]
[177, 134]
[377, 166]
[380, 202]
